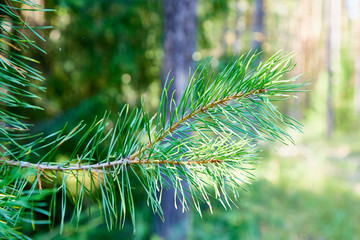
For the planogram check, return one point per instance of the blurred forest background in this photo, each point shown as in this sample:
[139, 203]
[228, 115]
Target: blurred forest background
[103, 54]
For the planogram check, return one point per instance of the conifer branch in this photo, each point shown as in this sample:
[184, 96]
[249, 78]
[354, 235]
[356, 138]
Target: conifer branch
[210, 133]
[208, 140]
[132, 159]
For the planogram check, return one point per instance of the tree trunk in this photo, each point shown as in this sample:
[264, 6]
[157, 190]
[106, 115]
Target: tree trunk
[333, 54]
[179, 42]
[356, 29]
[237, 42]
[258, 27]
[179, 45]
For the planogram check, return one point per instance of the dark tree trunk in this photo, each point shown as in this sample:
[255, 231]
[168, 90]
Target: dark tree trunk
[179, 42]
[258, 25]
[237, 42]
[179, 45]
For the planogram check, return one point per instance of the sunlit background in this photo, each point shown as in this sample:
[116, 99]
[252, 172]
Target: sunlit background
[103, 54]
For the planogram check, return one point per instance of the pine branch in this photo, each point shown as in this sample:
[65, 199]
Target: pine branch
[17, 201]
[133, 157]
[208, 140]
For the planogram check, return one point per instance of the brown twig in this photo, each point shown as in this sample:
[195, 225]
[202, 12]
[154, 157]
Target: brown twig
[39, 178]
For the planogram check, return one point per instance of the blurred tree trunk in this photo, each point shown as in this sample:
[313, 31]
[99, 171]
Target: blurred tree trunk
[330, 70]
[179, 42]
[179, 45]
[237, 42]
[258, 26]
[357, 60]
[306, 25]
[333, 54]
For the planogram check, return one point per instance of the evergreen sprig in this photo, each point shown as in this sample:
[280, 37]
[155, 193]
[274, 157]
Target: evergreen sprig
[208, 141]
[204, 146]
[17, 76]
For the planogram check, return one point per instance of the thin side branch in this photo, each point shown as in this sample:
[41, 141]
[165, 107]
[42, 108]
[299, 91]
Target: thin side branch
[191, 115]
[44, 167]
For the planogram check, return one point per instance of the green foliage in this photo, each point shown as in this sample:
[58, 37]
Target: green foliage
[95, 51]
[17, 203]
[207, 141]
[204, 147]
[17, 76]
